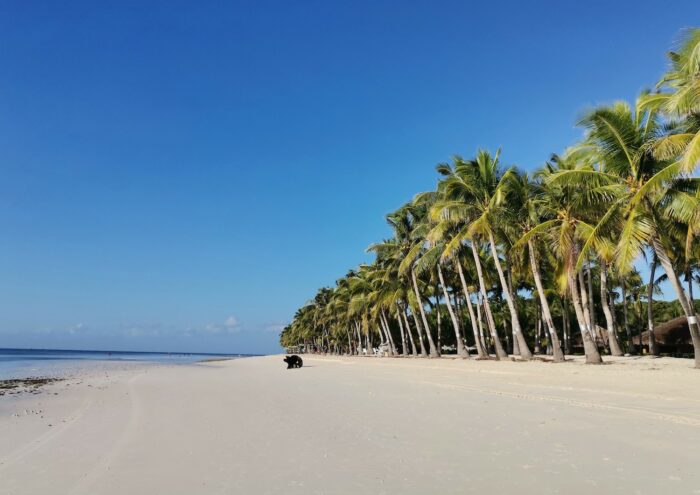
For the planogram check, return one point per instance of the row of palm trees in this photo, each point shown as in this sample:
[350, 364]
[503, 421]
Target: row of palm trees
[496, 253]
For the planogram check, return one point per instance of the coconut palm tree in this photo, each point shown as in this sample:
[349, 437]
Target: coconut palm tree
[648, 193]
[432, 258]
[525, 197]
[405, 249]
[626, 189]
[460, 192]
[408, 265]
[564, 207]
[488, 196]
[678, 97]
[443, 234]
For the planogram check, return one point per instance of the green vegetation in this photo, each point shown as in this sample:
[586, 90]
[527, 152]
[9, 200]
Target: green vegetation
[498, 260]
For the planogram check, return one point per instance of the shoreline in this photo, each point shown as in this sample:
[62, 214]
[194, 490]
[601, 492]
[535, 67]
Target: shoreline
[359, 425]
[31, 363]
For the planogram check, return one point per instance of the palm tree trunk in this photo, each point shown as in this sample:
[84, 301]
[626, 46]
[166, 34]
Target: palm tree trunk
[567, 326]
[650, 309]
[391, 337]
[414, 352]
[615, 349]
[682, 299]
[613, 310]
[589, 347]
[387, 331]
[689, 281]
[591, 300]
[564, 318]
[359, 336]
[482, 332]
[514, 350]
[385, 335]
[538, 326]
[404, 348]
[370, 347]
[383, 338]
[630, 344]
[433, 350]
[500, 353]
[438, 314]
[584, 303]
[546, 313]
[461, 350]
[356, 335]
[640, 315]
[421, 337]
[509, 280]
[481, 352]
[523, 349]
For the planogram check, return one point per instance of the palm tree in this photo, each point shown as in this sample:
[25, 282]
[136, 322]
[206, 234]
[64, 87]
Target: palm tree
[678, 97]
[487, 196]
[460, 191]
[526, 196]
[431, 258]
[626, 189]
[408, 267]
[564, 208]
[648, 193]
[605, 259]
[404, 249]
[444, 234]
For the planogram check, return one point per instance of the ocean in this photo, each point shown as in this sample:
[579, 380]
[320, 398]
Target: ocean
[23, 363]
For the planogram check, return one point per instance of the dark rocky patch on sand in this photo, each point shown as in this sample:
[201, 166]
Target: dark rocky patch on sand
[30, 385]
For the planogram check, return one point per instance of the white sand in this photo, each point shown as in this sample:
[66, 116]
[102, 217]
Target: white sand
[360, 426]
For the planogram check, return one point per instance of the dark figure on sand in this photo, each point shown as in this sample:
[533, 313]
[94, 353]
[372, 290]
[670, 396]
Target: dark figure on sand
[293, 362]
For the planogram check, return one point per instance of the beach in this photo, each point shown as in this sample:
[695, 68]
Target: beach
[343, 425]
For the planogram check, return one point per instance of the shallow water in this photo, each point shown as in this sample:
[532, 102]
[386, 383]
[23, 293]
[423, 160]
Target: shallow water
[22, 363]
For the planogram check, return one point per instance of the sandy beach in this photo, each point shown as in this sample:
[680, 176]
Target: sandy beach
[358, 425]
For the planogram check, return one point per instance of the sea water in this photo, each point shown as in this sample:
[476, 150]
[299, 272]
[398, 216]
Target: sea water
[23, 363]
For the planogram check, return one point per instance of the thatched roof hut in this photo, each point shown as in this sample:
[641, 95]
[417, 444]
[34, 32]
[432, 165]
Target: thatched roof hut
[672, 336]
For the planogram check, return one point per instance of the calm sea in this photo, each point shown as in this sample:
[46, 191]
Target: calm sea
[22, 363]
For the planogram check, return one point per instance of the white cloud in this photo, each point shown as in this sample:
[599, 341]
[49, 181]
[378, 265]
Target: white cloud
[76, 329]
[152, 330]
[229, 326]
[274, 327]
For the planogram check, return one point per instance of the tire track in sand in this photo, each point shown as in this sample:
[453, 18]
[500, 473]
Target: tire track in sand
[649, 413]
[101, 468]
[47, 437]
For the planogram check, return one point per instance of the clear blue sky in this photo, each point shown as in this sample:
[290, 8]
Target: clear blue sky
[183, 175]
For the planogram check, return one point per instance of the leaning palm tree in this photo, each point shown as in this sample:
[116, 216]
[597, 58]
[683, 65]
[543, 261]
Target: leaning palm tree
[627, 189]
[404, 249]
[455, 208]
[444, 234]
[565, 206]
[387, 293]
[525, 199]
[477, 188]
[648, 193]
[678, 97]
[408, 265]
[432, 258]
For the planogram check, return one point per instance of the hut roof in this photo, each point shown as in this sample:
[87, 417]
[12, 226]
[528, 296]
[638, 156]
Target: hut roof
[673, 332]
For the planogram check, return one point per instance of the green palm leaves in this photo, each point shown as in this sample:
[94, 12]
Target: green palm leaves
[494, 246]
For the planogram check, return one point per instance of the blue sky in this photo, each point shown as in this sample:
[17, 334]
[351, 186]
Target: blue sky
[183, 175]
